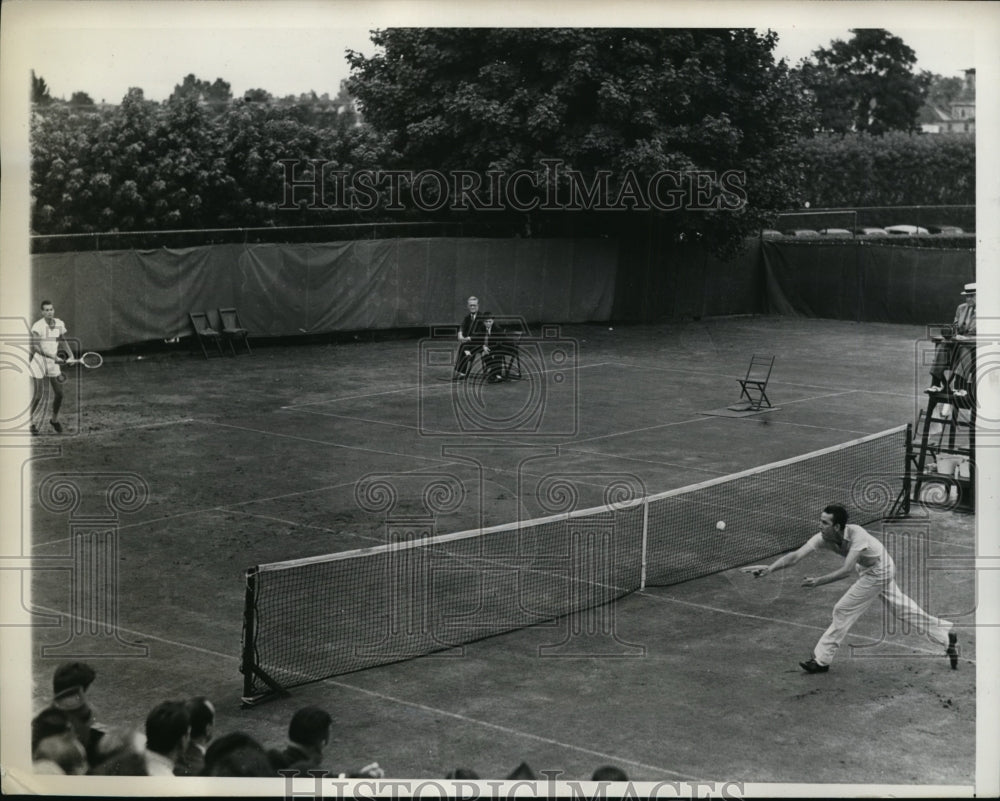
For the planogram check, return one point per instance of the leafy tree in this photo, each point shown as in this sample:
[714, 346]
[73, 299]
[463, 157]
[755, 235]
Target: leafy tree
[257, 96]
[81, 100]
[632, 102]
[145, 165]
[214, 94]
[39, 90]
[897, 169]
[943, 91]
[866, 84]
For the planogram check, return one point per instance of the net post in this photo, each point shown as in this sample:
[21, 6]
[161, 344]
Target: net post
[901, 507]
[645, 533]
[249, 667]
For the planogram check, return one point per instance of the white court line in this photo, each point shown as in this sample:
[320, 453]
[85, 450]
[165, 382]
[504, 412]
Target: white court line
[435, 711]
[316, 441]
[78, 434]
[302, 410]
[311, 526]
[228, 508]
[818, 397]
[94, 624]
[507, 730]
[776, 422]
[697, 419]
[792, 623]
[427, 386]
[703, 417]
[773, 382]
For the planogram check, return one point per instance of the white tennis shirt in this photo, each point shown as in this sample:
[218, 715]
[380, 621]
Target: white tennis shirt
[48, 338]
[855, 539]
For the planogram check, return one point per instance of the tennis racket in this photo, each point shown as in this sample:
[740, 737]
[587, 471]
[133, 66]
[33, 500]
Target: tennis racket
[90, 360]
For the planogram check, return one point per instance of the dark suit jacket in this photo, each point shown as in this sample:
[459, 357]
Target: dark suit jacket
[468, 323]
[190, 762]
[291, 757]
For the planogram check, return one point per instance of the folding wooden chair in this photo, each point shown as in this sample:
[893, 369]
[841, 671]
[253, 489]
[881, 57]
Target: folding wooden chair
[508, 349]
[232, 330]
[754, 386]
[204, 332]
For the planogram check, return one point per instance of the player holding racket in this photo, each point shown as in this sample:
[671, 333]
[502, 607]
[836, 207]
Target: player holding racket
[866, 557]
[46, 336]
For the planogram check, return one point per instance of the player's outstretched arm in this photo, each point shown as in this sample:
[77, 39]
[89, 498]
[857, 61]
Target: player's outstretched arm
[789, 559]
[845, 570]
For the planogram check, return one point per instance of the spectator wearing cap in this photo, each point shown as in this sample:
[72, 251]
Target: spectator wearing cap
[947, 355]
[73, 674]
[202, 715]
[168, 728]
[308, 734]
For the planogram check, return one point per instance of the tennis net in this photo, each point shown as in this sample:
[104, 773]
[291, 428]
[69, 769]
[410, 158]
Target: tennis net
[312, 618]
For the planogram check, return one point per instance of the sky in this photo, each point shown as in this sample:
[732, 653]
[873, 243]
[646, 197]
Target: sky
[294, 47]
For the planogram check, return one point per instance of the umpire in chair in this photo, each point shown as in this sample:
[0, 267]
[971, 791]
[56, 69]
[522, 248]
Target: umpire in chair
[955, 351]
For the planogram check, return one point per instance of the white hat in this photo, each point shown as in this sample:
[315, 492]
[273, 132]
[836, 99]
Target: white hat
[970, 289]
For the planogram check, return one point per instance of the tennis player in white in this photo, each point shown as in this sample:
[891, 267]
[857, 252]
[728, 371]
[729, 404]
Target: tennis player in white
[866, 557]
[46, 336]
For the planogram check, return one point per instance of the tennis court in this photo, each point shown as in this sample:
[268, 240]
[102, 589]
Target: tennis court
[324, 447]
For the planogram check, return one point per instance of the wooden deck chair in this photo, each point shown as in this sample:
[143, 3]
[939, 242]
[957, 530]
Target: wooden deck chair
[754, 386]
[232, 330]
[203, 332]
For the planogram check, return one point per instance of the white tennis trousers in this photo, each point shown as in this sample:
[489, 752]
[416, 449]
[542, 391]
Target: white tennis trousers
[877, 582]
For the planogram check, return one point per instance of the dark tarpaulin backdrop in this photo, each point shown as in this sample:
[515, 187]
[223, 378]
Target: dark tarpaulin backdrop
[865, 281]
[114, 298]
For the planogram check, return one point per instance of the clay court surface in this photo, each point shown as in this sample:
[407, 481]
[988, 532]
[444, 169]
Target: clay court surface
[256, 459]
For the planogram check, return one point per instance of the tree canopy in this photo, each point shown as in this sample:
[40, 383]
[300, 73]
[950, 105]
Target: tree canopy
[866, 84]
[631, 102]
[183, 163]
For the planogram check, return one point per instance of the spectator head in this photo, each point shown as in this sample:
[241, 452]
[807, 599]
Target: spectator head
[473, 304]
[310, 726]
[235, 754]
[167, 728]
[50, 722]
[64, 750]
[609, 773]
[202, 715]
[73, 702]
[969, 290]
[463, 773]
[522, 771]
[72, 674]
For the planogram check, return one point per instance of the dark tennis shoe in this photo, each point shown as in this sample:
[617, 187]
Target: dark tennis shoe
[812, 666]
[56, 425]
[953, 649]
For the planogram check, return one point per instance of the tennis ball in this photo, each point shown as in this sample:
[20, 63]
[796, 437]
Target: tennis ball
[721, 525]
[611, 329]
